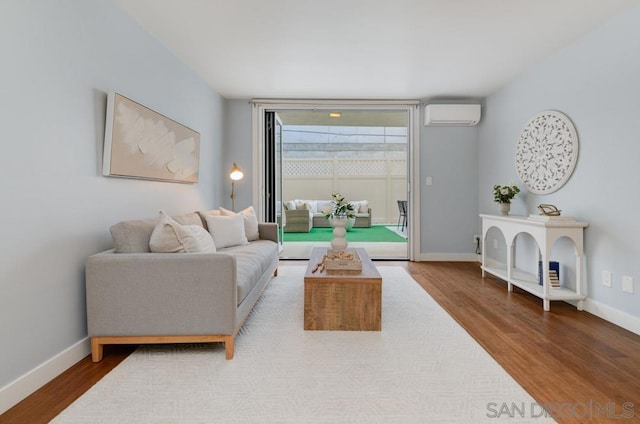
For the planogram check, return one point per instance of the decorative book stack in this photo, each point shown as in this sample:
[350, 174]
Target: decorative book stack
[554, 273]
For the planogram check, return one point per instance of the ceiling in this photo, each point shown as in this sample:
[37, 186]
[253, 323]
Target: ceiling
[348, 117]
[366, 49]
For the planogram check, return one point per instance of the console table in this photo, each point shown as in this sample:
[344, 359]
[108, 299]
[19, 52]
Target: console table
[545, 231]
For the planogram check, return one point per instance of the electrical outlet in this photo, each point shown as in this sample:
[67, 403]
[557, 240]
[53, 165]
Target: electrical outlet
[429, 181]
[627, 284]
[607, 278]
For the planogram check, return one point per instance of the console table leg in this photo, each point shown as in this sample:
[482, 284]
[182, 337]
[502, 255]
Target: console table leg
[581, 305]
[546, 305]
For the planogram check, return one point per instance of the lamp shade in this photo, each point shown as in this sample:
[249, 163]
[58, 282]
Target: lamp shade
[236, 173]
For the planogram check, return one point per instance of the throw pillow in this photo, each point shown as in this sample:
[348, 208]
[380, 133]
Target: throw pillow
[322, 205]
[250, 221]
[227, 231]
[169, 236]
[313, 205]
[203, 214]
[364, 206]
[290, 205]
[301, 204]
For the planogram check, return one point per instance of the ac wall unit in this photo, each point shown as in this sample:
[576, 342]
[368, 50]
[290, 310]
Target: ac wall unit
[452, 115]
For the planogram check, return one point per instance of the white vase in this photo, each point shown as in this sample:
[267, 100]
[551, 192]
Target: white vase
[505, 208]
[349, 223]
[339, 242]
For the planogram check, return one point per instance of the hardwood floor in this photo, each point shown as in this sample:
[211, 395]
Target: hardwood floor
[582, 368]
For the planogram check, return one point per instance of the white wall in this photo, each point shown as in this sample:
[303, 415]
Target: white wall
[59, 61]
[238, 142]
[448, 208]
[595, 82]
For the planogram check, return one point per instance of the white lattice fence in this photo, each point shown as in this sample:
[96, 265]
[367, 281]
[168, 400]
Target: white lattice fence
[296, 167]
[344, 166]
[380, 181]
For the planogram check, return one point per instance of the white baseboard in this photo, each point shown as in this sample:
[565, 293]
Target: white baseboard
[447, 257]
[28, 383]
[614, 316]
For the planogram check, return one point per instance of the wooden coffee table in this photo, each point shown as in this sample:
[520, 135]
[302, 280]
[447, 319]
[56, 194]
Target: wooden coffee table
[342, 300]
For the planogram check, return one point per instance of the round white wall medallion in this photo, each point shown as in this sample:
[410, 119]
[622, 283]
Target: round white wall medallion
[547, 152]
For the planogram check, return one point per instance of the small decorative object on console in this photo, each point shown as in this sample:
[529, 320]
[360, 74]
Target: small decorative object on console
[548, 210]
[550, 213]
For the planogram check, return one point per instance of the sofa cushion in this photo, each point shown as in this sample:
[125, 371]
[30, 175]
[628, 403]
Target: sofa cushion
[169, 236]
[227, 230]
[250, 221]
[252, 260]
[133, 236]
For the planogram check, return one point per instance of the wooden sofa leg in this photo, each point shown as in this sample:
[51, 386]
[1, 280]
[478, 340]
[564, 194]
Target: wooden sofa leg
[96, 349]
[275, 273]
[228, 347]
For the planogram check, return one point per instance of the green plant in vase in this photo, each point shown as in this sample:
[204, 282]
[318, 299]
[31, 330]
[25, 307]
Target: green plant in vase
[503, 195]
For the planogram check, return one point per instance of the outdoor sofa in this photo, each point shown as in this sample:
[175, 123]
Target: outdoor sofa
[302, 215]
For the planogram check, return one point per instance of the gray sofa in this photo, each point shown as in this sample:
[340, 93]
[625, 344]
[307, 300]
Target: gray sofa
[135, 296]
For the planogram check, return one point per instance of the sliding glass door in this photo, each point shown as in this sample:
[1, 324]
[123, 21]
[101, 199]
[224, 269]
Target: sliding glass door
[363, 152]
[273, 170]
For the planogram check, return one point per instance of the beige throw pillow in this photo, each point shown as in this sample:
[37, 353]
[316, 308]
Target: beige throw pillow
[250, 221]
[169, 236]
[290, 205]
[227, 231]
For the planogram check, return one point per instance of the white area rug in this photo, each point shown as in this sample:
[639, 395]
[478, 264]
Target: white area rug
[421, 368]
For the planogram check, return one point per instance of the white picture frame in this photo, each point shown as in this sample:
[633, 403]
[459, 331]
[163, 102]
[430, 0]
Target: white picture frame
[142, 143]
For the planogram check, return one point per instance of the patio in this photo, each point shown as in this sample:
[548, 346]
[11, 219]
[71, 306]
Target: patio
[380, 241]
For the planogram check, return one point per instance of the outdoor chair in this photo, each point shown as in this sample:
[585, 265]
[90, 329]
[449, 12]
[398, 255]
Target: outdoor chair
[297, 221]
[402, 219]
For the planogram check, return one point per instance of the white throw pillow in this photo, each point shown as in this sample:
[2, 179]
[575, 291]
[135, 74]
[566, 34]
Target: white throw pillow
[227, 231]
[290, 205]
[364, 206]
[212, 212]
[169, 236]
[313, 205]
[356, 206]
[250, 221]
[302, 204]
[323, 204]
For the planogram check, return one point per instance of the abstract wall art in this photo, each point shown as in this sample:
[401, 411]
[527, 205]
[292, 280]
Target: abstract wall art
[141, 143]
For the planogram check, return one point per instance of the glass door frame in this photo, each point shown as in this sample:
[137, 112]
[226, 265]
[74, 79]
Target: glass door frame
[412, 107]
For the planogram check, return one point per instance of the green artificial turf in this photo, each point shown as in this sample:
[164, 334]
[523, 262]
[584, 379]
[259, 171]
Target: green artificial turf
[377, 233]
